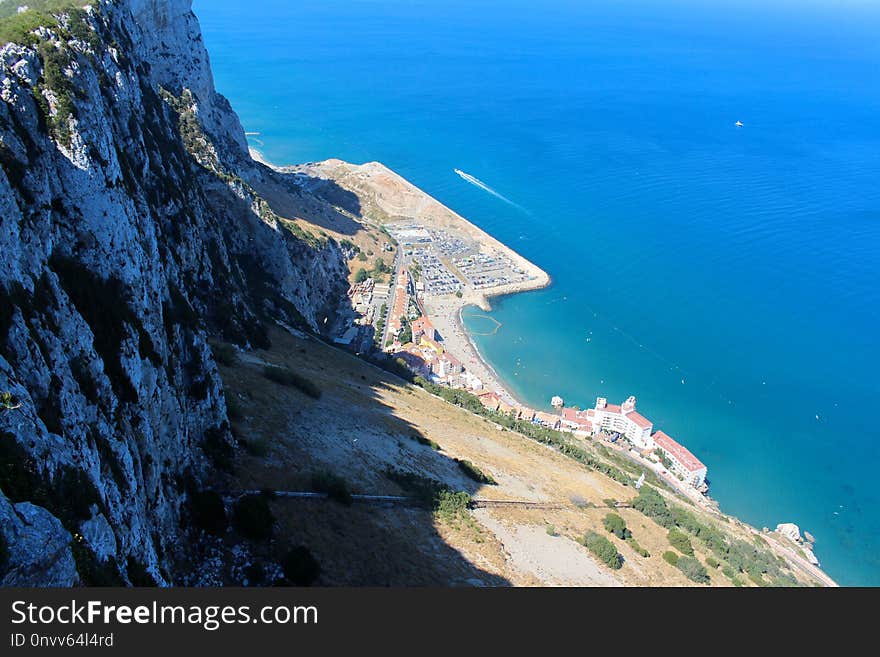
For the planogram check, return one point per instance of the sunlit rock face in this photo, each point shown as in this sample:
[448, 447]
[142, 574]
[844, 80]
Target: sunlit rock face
[128, 234]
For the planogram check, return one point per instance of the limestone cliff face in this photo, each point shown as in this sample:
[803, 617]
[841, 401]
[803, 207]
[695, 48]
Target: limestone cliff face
[127, 235]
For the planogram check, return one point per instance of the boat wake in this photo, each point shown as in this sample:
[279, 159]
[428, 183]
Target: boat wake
[479, 183]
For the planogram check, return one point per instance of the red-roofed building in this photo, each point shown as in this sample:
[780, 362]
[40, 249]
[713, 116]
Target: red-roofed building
[624, 420]
[579, 422]
[413, 361]
[423, 326]
[682, 462]
[399, 303]
[490, 400]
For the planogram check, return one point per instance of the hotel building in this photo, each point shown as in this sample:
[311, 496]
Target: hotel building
[681, 461]
[624, 419]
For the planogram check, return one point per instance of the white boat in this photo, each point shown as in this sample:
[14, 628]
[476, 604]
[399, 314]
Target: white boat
[738, 124]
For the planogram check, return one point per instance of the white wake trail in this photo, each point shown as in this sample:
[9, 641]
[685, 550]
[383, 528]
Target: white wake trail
[479, 183]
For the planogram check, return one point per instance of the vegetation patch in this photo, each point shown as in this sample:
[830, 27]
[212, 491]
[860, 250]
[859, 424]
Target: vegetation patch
[253, 518]
[616, 525]
[334, 486]
[638, 549]
[208, 512]
[451, 504]
[555, 439]
[427, 442]
[693, 570]
[742, 556]
[286, 377]
[18, 27]
[680, 542]
[423, 488]
[8, 402]
[474, 473]
[603, 550]
[300, 567]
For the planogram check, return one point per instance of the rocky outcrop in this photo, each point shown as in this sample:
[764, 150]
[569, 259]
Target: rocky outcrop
[790, 531]
[805, 543]
[37, 547]
[128, 235]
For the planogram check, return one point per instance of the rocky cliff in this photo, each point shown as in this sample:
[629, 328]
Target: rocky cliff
[130, 233]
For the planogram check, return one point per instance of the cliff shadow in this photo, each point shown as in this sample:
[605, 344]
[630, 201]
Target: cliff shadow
[336, 426]
[319, 201]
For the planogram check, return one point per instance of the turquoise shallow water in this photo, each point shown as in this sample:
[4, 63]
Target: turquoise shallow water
[726, 277]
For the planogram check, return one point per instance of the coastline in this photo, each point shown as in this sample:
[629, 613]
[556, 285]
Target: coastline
[396, 200]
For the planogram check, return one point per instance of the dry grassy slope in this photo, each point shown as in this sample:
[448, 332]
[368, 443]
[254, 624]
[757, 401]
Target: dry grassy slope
[363, 424]
[321, 207]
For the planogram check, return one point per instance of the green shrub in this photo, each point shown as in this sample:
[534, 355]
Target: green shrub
[225, 354]
[603, 549]
[551, 531]
[712, 562]
[580, 502]
[449, 506]
[616, 525]
[333, 485]
[559, 441]
[7, 401]
[728, 572]
[253, 518]
[671, 558]
[693, 570]
[286, 377]
[300, 567]
[610, 503]
[638, 549]
[361, 275]
[425, 489]
[474, 473]
[17, 27]
[427, 442]
[680, 542]
[208, 512]
[742, 556]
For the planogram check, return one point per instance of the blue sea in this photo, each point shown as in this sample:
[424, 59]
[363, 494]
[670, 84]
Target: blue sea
[728, 277]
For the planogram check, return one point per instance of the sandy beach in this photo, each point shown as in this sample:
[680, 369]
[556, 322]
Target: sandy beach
[445, 313]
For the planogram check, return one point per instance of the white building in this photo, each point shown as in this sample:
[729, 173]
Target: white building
[625, 420]
[681, 461]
